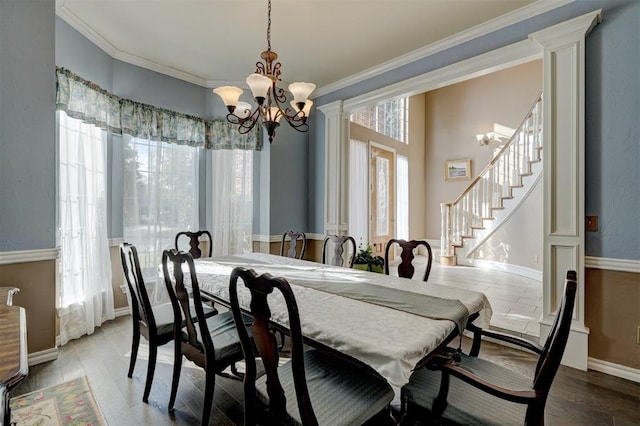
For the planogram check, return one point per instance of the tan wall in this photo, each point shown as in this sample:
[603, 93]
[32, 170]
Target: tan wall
[117, 278]
[612, 313]
[312, 253]
[37, 284]
[456, 113]
[415, 152]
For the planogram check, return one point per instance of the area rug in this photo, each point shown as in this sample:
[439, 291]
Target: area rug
[70, 403]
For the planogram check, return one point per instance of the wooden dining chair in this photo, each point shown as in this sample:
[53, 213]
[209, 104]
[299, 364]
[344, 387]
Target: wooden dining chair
[473, 390]
[155, 322]
[195, 243]
[313, 387]
[211, 343]
[292, 238]
[406, 268]
[339, 245]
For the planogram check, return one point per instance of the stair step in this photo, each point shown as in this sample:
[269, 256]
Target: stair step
[477, 227]
[526, 174]
[487, 218]
[497, 208]
[507, 197]
[516, 186]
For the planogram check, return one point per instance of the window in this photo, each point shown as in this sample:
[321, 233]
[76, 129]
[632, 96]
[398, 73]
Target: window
[85, 296]
[402, 191]
[230, 214]
[160, 197]
[390, 118]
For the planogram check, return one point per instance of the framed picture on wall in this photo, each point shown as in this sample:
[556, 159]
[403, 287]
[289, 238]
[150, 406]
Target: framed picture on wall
[457, 170]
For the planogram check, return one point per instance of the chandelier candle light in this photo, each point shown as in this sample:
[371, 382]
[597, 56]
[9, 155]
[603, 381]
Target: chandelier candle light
[268, 96]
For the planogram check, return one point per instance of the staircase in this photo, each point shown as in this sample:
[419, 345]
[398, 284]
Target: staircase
[495, 194]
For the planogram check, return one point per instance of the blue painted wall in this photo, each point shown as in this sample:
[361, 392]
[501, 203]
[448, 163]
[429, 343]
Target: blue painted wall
[27, 84]
[289, 181]
[27, 126]
[612, 111]
[613, 133]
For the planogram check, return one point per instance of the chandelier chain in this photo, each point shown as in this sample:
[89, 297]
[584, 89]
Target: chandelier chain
[269, 26]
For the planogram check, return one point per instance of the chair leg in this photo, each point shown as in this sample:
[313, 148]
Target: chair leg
[151, 368]
[177, 366]
[440, 403]
[134, 349]
[208, 396]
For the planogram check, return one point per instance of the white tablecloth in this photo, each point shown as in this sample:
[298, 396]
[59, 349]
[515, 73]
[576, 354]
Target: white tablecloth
[389, 340]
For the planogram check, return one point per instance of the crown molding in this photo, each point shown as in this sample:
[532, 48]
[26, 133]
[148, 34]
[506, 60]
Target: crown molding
[519, 15]
[495, 60]
[88, 32]
[514, 17]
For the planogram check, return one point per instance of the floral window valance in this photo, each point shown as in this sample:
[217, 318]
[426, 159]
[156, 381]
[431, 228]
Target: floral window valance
[85, 100]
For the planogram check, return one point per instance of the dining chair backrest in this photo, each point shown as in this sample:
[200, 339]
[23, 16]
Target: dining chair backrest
[406, 269]
[194, 239]
[214, 345]
[497, 394]
[337, 256]
[292, 238]
[139, 298]
[556, 342]
[179, 294]
[260, 288]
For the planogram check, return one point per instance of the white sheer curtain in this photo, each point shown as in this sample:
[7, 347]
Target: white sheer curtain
[85, 294]
[402, 189]
[160, 199]
[358, 192]
[230, 213]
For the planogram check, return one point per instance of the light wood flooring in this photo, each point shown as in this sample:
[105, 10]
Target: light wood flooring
[577, 397]
[516, 300]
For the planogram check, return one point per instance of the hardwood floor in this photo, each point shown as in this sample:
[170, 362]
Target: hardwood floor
[577, 397]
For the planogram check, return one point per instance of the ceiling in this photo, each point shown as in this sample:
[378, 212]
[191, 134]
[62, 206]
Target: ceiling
[217, 42]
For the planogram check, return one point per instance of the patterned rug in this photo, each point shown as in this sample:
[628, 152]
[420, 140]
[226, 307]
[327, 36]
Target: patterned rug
[70, 403]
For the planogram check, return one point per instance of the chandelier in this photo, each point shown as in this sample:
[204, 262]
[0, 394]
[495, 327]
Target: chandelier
[271, 99]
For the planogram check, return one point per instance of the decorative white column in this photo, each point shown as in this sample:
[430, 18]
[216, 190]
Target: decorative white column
[563, 153]
[336, 173]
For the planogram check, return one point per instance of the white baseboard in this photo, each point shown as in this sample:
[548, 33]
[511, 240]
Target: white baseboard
[121, 312]
[612, 369]
[46, 355]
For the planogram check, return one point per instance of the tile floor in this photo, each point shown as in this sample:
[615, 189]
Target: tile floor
[516, 300]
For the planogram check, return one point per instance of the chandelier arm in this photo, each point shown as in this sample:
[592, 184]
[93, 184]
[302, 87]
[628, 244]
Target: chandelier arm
[292, 117]
[249, 122]
[244, 124]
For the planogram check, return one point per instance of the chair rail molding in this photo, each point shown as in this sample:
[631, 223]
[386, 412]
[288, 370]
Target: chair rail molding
[563, 158]
[25, 256]
[277, 238]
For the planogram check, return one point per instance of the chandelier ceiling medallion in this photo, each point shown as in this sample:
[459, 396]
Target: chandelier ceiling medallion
[269, 97]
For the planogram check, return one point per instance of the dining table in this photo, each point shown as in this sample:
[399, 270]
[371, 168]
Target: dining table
[386, 322]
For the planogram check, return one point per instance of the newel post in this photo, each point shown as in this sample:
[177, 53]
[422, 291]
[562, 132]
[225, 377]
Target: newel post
[447, 255]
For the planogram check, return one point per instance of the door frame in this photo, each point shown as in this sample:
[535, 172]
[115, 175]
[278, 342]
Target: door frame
[393, 152]
[562, 49]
